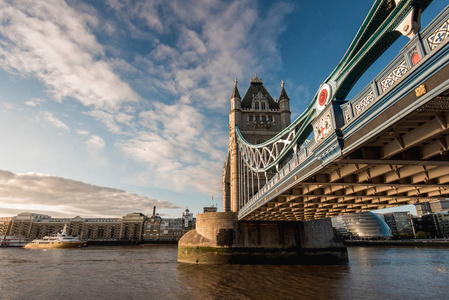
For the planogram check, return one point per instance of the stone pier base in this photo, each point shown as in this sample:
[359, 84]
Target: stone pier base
[220, 239]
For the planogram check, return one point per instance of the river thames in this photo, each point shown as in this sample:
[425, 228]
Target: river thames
[152, 272]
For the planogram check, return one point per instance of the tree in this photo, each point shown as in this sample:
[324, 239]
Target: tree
[405, 235]
[422, 235]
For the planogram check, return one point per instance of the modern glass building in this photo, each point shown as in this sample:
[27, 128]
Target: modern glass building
[365, 225]
[399, 222]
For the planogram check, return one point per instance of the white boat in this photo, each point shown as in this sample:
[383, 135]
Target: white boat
[60, 240]
[13, 241]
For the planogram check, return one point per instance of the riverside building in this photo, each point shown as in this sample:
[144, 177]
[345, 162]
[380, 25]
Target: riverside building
[432, 207]
[131, 227]
[399, 222]
[5, 222]
[171, 229]
[434, 225]
[209, 209]
[427, 224]
[443, 223]
[153, 227]
[365, 225]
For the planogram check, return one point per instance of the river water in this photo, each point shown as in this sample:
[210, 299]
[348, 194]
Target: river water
[152, 272]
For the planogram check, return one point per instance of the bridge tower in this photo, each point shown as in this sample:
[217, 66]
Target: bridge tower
[259, 117]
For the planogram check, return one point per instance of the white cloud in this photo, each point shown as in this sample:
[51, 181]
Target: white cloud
[52, 41]
[35, 102]
[22, 192]
[95, 142]
[179, 148]
[212, 44]
[55, 122]
[116, 122]
[191, 41]
[149, 11]
[9, 106]
[107, 119]
[95, 149]
[125, 119]
[82, 132]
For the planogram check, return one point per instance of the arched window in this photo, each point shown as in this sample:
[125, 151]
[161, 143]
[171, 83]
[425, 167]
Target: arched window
[263, 105]
[256, 105]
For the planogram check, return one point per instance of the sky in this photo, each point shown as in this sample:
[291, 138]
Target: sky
[109, 107]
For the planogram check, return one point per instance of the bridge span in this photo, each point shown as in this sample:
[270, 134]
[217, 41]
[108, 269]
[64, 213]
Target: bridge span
[386, 147]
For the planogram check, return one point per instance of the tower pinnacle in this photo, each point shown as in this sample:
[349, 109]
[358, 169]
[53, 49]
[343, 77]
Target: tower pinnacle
[256, 79]
[235, 93]
[283, 92]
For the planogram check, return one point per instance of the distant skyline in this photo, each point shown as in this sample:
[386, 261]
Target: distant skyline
[111, 107]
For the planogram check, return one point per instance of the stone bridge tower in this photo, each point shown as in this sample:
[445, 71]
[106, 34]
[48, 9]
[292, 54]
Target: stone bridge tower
[259, 117]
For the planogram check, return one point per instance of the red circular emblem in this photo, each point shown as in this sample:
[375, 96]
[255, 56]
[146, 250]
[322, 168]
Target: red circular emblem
[322, 97]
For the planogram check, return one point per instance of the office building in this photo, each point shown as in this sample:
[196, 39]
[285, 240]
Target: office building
[399, 222]
[365, 225]
[432, 207]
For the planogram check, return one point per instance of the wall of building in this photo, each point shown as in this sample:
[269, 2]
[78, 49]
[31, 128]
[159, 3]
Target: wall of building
[131, 227]
[365, 225]
[443, 223]
[399, 222]
[432, 207]
[5, 223]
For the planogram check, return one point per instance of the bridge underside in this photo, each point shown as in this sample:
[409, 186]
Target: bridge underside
[406, 163]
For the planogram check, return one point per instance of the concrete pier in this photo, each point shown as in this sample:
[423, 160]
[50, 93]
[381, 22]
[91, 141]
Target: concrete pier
[219, 238]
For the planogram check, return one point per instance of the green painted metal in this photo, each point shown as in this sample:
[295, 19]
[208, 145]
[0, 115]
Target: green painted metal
[374, 37]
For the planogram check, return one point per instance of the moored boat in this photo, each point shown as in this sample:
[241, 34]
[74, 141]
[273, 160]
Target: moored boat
[60, 240]
[13, 241]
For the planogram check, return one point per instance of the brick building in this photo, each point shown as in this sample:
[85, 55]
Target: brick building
[131, 227]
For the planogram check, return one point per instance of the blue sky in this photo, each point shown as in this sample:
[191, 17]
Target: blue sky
[110, 107]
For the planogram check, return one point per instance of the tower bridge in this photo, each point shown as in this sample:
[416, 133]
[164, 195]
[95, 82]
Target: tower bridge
[387, 146]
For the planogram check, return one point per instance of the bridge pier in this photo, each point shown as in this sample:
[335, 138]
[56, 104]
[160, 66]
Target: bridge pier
[219, 238]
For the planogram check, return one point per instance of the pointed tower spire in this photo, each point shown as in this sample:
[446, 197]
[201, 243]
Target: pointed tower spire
[235, 93]
[283, 92]
[284, 105]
